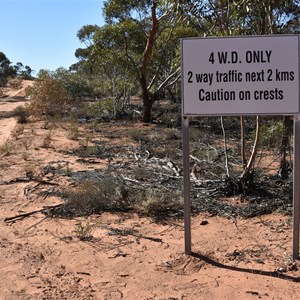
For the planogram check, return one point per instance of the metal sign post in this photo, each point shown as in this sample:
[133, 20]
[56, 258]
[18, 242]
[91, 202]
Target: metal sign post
[186, 186]
[296, 200]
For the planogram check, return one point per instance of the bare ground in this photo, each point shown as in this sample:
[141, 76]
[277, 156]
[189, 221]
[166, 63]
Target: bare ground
[125, 256]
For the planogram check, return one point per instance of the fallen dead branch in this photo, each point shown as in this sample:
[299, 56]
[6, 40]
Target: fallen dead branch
[27, 179]
[46, 209]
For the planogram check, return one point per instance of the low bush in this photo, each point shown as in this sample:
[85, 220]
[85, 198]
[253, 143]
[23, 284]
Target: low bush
[47, 96]
[108, 194]
[113, 195]
[156, 203]
[15, 82]
[7, 148]
[21, 114]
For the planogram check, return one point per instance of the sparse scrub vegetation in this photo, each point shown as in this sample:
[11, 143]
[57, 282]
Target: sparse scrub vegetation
[73, 131]
[83, 230]
[15, 82]
[135, 134]
[27, 141]
[47, 140]
[271, 134]
[95, 197]
[102, 108]
[21, 113]
[111, 194]
[30, 170]
[159, 203]
[7, 148]
[83, 146]
[25, 155]
[47, 96]
[17, 131]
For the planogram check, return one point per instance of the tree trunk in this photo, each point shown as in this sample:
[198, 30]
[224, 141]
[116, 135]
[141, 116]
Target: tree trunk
[283, 171]
[248, 168]
[147, 101]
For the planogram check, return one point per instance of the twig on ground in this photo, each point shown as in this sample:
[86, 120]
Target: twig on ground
[24, 215]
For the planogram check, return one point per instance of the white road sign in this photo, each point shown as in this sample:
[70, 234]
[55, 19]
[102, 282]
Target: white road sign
[240, 75]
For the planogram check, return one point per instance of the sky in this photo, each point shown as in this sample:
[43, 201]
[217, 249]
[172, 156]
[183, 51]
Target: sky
[43, 33]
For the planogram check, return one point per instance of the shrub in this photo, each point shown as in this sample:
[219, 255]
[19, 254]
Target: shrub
[15, 82]
[84, 231]
[135, 134]
[107, 194]
[17, 131]
[47, 140]
[100, 108]
[157, 203]
[73, 131]
[21, 114]
[78, 85]
[48, 96]
[6, 148]
[270, 134]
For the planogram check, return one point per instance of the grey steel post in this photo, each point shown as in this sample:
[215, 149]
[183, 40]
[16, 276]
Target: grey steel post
[186, 185]
[296, 200]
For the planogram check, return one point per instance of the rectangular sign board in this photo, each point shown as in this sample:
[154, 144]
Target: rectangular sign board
[240, 75]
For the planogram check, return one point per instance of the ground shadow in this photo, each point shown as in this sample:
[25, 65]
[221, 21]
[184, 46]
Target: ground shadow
[244, 270]
[6, 114]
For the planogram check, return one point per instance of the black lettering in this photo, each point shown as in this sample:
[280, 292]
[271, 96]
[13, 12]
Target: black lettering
[284, 75]
[211, 58]
[190, 73]
[269, 74]
[249, 57]
[258, 56]
[292, 75]
[268, 94]
[218, 95]
[234, 57]
[280, 94]
[201, 96]
[255, 76]
[222, 57]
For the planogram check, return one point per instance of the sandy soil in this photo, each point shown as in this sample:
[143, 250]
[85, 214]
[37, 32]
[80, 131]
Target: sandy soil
[12, 99]
[126, 256]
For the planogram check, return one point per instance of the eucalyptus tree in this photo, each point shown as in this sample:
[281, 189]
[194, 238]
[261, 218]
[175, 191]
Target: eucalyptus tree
[139, 43]
[6, 70]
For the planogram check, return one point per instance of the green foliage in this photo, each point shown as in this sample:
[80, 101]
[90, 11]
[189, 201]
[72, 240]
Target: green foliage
[73, 131]
[48, 96]
[157, 203]
[84, 230]
[135, 134]
[103, 107]
[270, 134]
[78, 85]
[7, 70]
[6, 148]
[107, 194]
